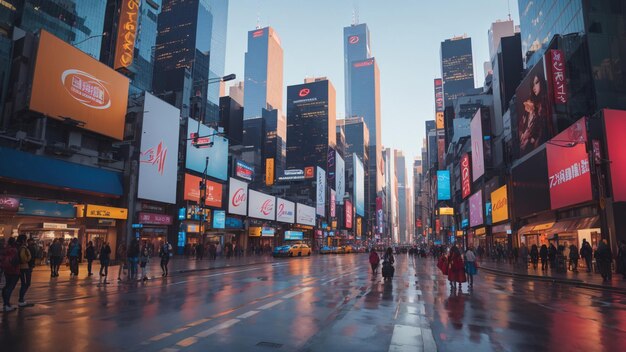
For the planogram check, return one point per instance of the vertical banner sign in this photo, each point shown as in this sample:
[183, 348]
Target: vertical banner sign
[237, 197]
[466, 183]
[321, 192]
[269, 171]
[126, 33]
[348, 213]
[333, 205]
[559, 84]
[441, 151]
[331, 167]
[439, 104]
[359, 185]
[359, 225]
[158, 160]
[379, 215]
[443, 185]
[478, 159]
[340, 178]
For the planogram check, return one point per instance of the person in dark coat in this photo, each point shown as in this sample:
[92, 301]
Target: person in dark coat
[74, 253]
[573, 257]
[105, 259]
[621, 259]
[586, 252]
[90, 255]
[543, 254]
[604, 258]
[534, 256]
[552, 253]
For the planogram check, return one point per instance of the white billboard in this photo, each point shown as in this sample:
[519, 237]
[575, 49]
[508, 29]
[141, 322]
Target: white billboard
[321, 192]
[261, 206]
[237, 197]
[478, 158]
[158, 161]
[359, 186]
[305, 215]
[340, 178]
[285, 211]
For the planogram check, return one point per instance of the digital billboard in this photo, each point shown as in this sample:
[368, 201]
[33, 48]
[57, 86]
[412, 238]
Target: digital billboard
[466, 182]
[439, 104]
[237, 197]
[443, 185]
[261, 205]
[331, 167]
[68, 83]
[192, 191]
[305, 215]
[217, 153]
[285, 211]
[340, 178]
[219, 219]
[476, 209]
[359, 186]
[569, 172]
[499, 205]
[126, 33]
[615, 131]
[530, 190]
[158, 160]
[478, 156]
[333, 203]
[348, 214]
[244, 171]
[294, 235]
[320, 198]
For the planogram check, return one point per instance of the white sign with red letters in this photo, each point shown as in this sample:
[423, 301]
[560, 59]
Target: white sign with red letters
[237, 197]
[261, 206]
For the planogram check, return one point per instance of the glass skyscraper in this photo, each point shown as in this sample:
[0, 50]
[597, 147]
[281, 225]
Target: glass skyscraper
[356, 47]
[457, 67]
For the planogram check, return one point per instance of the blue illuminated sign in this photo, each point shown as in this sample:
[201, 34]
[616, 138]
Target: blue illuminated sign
[181, 213]
[293, 235]
[217, 152]
[443, 185]
[465, 223]
[219, 219]
[488, 213]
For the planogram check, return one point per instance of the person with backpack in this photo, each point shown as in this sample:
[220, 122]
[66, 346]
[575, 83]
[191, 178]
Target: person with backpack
[165, 252]
[144, 259]
[27, 263]
[90, 255]
[374, 261]
[105, 259]
[11, 268]
[74, 253]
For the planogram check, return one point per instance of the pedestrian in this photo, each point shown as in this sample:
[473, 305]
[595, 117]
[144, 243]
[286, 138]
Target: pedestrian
[26, 270]
[586, 252]
[543, 254]
[165, 252]
[523, 256]
[573, 257]
[199, 251]
[144, 259]
[388, 261]
[213, 251]
[133, 259]
[56, 257]
[470, 266]
[11, 269]
[480, 251]
[74, 253]
[621, 259]
[456, 268]
[552, 253]
[121, 255]
[566, 255]
[374, 261]
[90, 255]
[2, 246]
[604, 258]
[534, 256]
[105, 259]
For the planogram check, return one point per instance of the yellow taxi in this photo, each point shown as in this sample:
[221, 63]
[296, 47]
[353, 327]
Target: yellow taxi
[348, 249]
[299, 250]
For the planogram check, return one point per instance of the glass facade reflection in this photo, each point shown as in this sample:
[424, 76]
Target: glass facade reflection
[457, 68]
[356, 47]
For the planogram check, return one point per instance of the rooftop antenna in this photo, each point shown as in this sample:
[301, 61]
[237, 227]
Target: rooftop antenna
[355, 14]
[258, 20]
[509, 5]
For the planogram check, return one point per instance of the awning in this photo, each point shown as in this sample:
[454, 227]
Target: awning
[567, 225]
[30, 168]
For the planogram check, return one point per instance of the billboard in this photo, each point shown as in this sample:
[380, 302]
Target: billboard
[333, 203]
[305, 215]
[320, 198]
[237, 197]
[439, 108]
[499, 205]
[294, 235]
[244, 171]
[476, 209]
[530, 190]
[219, 219]
[443, 185]
[126, 33]
[466, 183]
[478, 156]
[441, 151]
[285, 211]
[331, 166]
[261, 205]
[158, 160]
[359, 185]
[556, 62]
[533, 110]
[192, 191]
[569, 172]
[68, 83]
[217, 153]
[340, 178]
[379, 215]
[348, 214]
[269, 171]
[615, 131]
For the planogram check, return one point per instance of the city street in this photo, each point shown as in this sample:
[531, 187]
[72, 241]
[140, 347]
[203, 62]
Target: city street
[321, 303]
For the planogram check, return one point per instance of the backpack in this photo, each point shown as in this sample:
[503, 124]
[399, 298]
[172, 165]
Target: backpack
[10, 260]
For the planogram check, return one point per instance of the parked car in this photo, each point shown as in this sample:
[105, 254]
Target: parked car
[299, 250]
[326, 250]
[281, 251]
[339, 250]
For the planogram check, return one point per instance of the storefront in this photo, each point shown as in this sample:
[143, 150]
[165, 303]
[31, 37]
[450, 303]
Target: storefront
[502, 234]
[152, 229]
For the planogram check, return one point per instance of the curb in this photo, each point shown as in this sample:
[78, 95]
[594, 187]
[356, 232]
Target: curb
[577, 283]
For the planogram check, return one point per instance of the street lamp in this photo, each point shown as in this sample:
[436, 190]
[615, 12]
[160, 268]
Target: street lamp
[104, 34]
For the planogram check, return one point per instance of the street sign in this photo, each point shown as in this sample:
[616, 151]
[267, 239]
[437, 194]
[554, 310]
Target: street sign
[200, 142]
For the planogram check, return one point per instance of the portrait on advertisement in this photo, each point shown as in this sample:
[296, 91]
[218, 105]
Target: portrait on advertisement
[533, 110]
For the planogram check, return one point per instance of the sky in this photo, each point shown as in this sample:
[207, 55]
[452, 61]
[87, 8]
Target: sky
[405, 39]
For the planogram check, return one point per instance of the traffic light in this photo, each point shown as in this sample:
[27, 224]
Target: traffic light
[202, 193]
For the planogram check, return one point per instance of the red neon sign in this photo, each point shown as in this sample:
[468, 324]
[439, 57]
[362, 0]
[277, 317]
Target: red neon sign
[557, 67]
[304, 92]
[257, 34]
[465, 175]
[353, 39]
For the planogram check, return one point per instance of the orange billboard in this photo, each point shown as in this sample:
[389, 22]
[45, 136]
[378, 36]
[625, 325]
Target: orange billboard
[213, 191]
[68, 83]
[126, 33]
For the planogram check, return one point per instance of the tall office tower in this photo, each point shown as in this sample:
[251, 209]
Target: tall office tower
[457, 67]
[400, 165]
[356, 47]
[357, 143]
[217, 62]
[275, 142]
[183, 56]
[263, 73]
[236, 92]
[311, 123]
[497, 31]
[417, 187]
[231, 119]
[431, 144]
[341, 138]
[391, 187]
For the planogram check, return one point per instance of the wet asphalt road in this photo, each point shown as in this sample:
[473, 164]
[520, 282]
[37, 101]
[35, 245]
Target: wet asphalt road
[321, 303]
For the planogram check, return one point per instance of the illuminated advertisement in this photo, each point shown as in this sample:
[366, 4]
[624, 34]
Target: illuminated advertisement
[192, 191]
[533, 110]
[530, 186]
[476, 209]
[569, 172]
[217, 152]
[99, 211]
[557, 72]
[333, 203]
[446, 211]
[340, 178]
[379, 215]
[126, 33]
[269, 171]
[348, 214]
[439, 108]
[268, 231]
[237, 197]
[76, 86]
[441, 151]
[359, 185]
[615, 131]
[158, 158]
[261, 205]
[499, 205]
[219, 219]
[478, 156]
[443, 185]
[321, 192]
[305, 215]
[331, 167]
[285, 211]
[466, 183]
[244, 171]
[294, 235]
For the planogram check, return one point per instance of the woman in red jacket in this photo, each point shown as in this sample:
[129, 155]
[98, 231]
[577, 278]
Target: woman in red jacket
[456, 268]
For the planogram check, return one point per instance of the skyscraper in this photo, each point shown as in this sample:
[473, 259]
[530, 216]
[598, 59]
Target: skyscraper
[356, 47]
[275, 140]
[217, 63]
[457, 67]
[400, 165]
[311, 123]
[263, 79]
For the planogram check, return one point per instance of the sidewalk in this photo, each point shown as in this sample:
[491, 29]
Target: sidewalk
[581, 278]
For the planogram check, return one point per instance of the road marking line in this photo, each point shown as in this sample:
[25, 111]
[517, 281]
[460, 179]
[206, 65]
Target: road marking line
[297, 292]
[217, 328]
[181, 329]
[160, 336]
[198, 322]
[248, 314]
[169, 349]
[271, 304]
[187, 342]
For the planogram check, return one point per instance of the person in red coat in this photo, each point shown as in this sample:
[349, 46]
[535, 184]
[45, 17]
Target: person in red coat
[456, 268]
